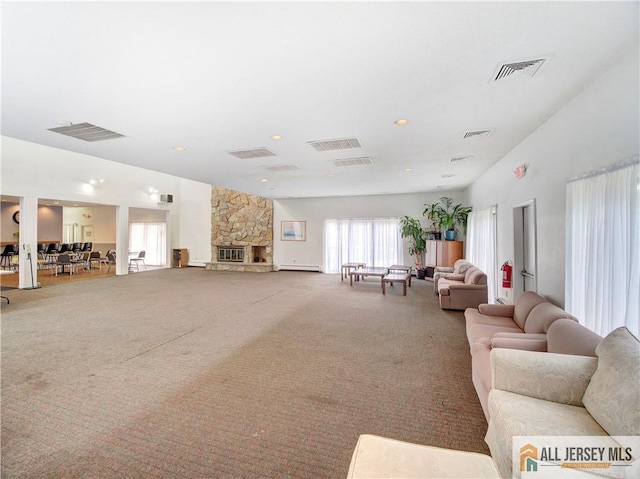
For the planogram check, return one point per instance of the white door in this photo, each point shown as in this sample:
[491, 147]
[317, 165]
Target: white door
[525, 254]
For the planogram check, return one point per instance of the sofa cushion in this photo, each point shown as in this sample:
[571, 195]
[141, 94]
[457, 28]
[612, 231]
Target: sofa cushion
[613, 394]
[523, 306]
[461, 266]
[478, 331]
[475, 276]
[542, 316]
[518, 415]
[527, 342]
[454, 277]
[566, 336]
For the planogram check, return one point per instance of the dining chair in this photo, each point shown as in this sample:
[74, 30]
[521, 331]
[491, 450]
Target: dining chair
[111, 260]
[52, 249]
[7, 254]
[137, 260]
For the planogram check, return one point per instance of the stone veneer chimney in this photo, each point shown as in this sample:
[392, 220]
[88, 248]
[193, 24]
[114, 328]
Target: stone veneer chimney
[241, 220]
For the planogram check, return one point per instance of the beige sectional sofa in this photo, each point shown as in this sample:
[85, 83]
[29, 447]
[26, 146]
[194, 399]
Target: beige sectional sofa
[524, 325]
[547, 394]
[462, 291]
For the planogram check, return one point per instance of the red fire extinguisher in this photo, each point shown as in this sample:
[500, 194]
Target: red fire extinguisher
[506, 269]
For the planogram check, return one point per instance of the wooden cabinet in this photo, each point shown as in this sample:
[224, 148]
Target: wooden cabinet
[443, 253]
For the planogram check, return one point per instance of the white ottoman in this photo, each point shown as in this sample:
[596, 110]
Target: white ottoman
[378, 457]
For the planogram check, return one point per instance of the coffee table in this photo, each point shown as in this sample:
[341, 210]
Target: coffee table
[346, 268]
[364, 272]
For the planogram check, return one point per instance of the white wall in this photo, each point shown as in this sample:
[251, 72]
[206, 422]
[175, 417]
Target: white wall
[316, 210]
[37, 171]
[49, 223]
[598, 127]
[193, 222]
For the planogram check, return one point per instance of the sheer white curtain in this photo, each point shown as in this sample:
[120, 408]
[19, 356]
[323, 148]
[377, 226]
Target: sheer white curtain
[603, 249]
[374, 241]
[481, 246]
[152, 238]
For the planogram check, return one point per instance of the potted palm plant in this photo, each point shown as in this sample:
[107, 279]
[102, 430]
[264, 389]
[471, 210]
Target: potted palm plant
[412, 228]
[432, 212]
[451, 215]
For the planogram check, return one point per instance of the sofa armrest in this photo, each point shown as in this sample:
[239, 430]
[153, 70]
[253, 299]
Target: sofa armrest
[523, 343]
[466, 286]
[454, 277]
[443, 269]
[560, 378]
[505, 310]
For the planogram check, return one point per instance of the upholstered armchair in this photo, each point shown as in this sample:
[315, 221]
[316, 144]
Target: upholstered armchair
[463, 291]
[459, 267]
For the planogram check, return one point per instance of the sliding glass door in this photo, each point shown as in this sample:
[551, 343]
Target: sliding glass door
[373, 241]
[150, 237]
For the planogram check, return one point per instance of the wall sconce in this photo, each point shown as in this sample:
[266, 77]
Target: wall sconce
[520, 171]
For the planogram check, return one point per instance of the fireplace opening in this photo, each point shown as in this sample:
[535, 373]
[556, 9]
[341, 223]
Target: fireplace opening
[258, 253]
[231, 254]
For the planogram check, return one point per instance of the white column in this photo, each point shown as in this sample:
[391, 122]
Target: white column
[122, 240]
[28, 243]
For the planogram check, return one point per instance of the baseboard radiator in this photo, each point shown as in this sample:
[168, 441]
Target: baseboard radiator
[300, 267]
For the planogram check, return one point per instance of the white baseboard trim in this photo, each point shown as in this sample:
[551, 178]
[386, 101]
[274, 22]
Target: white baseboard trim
[300, 267]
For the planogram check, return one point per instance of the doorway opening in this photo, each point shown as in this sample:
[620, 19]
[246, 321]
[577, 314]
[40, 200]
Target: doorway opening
[524, 247]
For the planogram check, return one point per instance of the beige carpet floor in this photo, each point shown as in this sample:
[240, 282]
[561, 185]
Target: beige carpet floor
[187, 373]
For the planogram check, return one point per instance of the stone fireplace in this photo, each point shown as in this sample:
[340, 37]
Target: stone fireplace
[241, 232]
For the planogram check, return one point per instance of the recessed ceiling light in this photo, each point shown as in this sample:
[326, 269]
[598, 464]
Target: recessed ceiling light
[179, 148]
[408, 169]
[276, 137]
[264, 180]
[96, 181]
[401, 122]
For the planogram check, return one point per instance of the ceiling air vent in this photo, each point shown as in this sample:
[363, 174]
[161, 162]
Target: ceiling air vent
[254, 153]
[330, 145]
[353, 161]
[477, 134]
[86, 132]
[459, 158]
[278, 168]
[528, 67]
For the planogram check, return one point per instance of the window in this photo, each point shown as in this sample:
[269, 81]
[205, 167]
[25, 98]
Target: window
[603, 248]
[374, 241]
[481, 246]
[152, 238]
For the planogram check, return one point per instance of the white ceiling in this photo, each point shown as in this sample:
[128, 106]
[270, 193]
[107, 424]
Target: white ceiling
[216, 76]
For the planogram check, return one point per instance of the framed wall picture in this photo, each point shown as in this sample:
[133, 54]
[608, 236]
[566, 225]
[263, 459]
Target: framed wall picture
[293, 231]
[87, 233]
